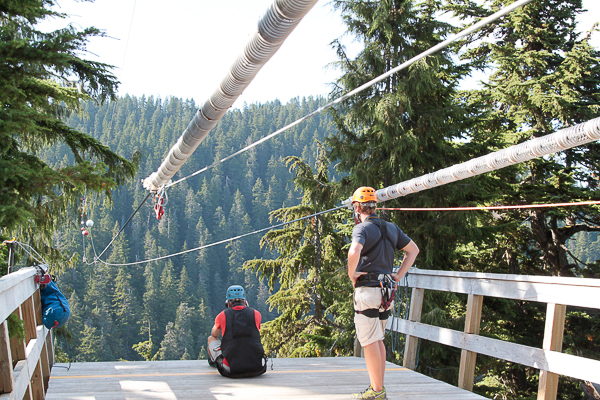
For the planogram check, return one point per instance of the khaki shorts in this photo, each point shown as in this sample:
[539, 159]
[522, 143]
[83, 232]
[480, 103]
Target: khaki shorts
[368, 330]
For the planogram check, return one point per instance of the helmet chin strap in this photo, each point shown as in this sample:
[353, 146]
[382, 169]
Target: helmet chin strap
[356, 216]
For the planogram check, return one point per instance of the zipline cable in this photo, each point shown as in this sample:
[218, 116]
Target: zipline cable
[566, 138]
[223, 241]
[123, 227]
[23, 246]
[372, 82]
[583, 203]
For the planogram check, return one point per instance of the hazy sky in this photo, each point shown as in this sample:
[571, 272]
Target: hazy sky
[184, 48]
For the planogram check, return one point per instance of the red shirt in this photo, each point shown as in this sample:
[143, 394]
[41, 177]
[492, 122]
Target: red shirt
[220, 322]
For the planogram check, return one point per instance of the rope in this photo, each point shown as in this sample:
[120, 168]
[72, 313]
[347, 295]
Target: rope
[583, 203]
[222, 241]
[372, 82]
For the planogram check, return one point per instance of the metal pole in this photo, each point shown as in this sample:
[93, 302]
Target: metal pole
[11, 254]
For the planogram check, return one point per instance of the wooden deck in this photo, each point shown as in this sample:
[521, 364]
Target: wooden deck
[298, 378]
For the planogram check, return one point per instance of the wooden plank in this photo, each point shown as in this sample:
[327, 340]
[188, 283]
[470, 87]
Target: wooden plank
[587, 295]
[21, 387]
[17, 346]
[468, 359]
[555, 280]
[552, 361]
[50, 348]
[327, 378]
[37, 383]
[6, 367]
[28, 313]
[553, 340]
[46, 366]
[37, 303]
[412, 343]
[15, 288]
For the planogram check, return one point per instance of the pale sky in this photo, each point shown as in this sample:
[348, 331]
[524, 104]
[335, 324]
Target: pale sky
[184, 48]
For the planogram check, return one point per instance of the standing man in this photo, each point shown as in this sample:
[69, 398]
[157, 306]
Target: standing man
[240, 353]
[370, 262]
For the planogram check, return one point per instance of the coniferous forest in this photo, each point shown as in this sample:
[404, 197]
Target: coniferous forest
[77, 152]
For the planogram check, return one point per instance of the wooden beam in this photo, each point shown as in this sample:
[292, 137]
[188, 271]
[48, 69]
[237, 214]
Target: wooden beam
[27, 308]
[46, 366]
[548, 360]
[412, 343]
[553, 340]
[49, 346]
[15, 289]
[6, 366]
[468, 359]
[37, 383]
[17, 346]
[580, 292]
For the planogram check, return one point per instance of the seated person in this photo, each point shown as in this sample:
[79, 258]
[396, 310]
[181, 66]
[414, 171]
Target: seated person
[239, 353]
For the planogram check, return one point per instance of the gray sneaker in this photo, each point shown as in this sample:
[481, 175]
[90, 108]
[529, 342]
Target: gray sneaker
[370, 394]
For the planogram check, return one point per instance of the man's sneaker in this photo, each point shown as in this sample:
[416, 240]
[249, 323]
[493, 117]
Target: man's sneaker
[370, 394]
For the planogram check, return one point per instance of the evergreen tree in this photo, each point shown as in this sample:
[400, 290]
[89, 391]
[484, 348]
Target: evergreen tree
[407, 125]
[543, 76]
[42, 80]
[313, 296]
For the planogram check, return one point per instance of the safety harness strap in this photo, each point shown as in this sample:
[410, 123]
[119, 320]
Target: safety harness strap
[374, 313]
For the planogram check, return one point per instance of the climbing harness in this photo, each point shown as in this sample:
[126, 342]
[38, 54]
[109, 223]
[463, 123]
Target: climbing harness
[388, 288]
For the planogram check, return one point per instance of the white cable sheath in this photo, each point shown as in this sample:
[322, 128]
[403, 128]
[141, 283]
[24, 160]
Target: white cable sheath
[279, 21]
[564, 139]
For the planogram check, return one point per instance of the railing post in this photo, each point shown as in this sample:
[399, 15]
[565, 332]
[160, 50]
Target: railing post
[6, 366]
[468, 358]
[412, 342]
[553, 339]
[17, 346]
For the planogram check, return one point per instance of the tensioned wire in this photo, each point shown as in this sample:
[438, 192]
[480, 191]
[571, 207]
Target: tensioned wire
[334, 209]
[583, 203]
[223, 241]
[365, 86]
[432, 50]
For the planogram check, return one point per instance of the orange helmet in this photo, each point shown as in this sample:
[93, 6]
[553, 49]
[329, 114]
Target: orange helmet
[364, 194]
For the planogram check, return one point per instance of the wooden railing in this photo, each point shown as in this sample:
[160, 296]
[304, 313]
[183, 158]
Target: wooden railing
[24, 365]
[557, 292]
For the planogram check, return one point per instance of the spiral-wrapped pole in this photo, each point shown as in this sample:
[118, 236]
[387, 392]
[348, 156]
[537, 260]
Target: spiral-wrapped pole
[564, 139]
[279, 21]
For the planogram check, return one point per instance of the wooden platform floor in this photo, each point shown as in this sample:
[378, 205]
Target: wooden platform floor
[290, 379]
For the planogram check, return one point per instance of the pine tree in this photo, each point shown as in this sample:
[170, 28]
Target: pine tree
[545, 76]
[42, 80]
[312, 299]
[407, 125]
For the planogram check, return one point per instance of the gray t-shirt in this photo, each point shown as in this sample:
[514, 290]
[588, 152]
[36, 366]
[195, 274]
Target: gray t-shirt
[381, 259]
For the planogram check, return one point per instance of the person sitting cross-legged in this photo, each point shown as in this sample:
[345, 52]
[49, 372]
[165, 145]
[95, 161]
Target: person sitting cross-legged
[239, 354]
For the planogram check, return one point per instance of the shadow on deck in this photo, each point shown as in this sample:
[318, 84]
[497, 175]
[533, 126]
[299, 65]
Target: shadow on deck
[298, 378]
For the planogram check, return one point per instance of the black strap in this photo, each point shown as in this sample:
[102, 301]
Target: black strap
[383, 229]
[374, 313]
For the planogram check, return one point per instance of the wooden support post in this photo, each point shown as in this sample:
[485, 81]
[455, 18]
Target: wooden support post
[37, 303]
[28, 311]
[17, 346]
[6, 365]
[37, 383]
[46, 365]
[412, 342]
[468, 359]
[50, 348]
[553, 339]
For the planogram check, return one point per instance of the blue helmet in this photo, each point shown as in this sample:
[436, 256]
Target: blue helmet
[235, 292]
